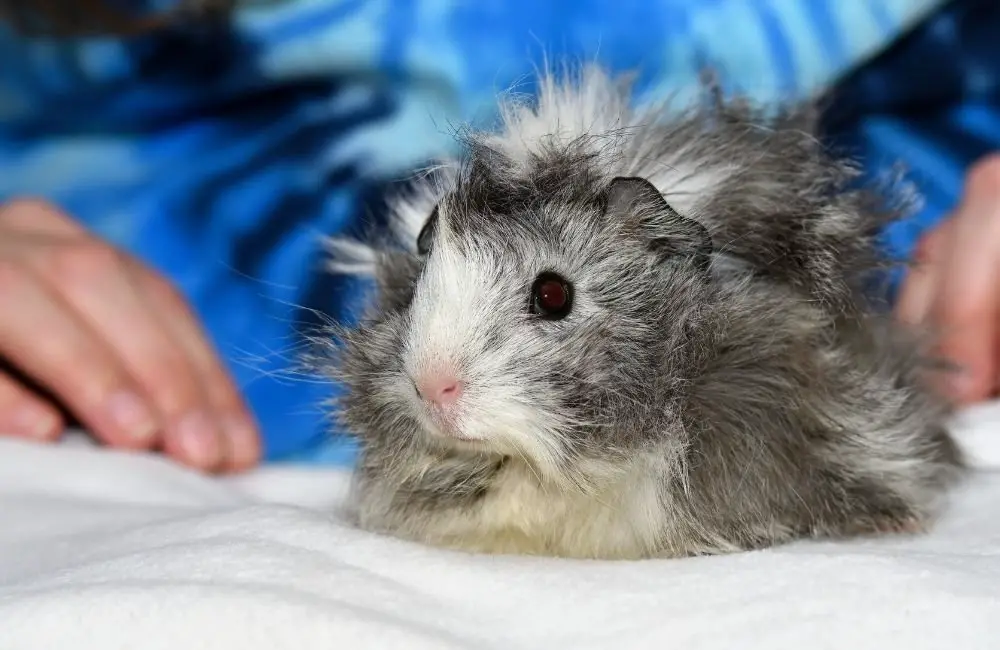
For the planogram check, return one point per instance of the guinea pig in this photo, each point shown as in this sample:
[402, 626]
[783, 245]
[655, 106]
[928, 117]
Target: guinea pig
[625, 331]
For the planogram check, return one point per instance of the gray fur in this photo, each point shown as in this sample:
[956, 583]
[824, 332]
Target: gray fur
[696, 400]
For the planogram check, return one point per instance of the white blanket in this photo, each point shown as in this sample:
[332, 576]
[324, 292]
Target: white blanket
[102, 550]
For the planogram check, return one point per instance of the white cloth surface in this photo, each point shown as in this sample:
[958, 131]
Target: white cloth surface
[104, 550]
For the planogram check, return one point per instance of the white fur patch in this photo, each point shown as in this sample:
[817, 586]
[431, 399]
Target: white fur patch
[456, 304]
[595, 108]
[622, 517]
[350, 257]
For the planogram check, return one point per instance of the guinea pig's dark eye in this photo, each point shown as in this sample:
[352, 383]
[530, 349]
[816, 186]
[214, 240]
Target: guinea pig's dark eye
[426, 236]
[551, 296]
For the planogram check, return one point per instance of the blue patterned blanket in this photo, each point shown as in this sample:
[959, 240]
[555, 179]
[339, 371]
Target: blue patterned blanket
[220, 155]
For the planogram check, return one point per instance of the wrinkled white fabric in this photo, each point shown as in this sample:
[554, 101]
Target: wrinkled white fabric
[103, 550]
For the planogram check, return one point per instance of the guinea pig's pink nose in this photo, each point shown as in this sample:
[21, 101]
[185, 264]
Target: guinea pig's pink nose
[443, 390]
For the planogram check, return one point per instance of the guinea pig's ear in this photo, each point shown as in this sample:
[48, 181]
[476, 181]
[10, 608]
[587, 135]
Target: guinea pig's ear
[426, 236]
[671, 235]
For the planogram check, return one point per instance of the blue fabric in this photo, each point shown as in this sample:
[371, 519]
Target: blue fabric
[932, 101]
[220, 155]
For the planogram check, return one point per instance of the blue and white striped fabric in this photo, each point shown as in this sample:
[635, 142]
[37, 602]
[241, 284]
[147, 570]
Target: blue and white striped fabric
[220, 155]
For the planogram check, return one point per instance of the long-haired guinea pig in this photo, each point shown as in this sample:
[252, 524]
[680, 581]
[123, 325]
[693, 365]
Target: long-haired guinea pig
[620, 332]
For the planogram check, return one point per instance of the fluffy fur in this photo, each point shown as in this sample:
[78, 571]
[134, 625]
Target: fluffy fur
[696, 400]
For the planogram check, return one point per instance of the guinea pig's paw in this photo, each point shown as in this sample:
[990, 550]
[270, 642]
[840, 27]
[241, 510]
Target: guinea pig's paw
[911, 525]
[888, 524]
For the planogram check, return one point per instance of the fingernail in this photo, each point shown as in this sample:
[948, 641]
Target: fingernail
[198, 438]
[131, 414]
[33, 422]
[243, 440]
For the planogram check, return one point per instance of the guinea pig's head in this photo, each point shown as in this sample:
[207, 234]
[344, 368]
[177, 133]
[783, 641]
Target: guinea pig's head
[547, 315]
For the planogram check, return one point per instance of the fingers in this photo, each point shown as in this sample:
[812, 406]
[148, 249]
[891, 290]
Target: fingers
[94, 280]
[37, 218]
[955, 286]
[967, 304]
[238, 431]
[917, 293]
[25, 415]
[39, 334]
[114, 342]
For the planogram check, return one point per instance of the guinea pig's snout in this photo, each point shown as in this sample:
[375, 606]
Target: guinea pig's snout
[442, 395]
[440, 389]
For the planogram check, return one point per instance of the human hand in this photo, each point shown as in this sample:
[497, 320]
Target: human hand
[955, 286]
[112, 341]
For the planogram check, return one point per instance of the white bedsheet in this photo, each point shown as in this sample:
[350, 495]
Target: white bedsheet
[102, 550]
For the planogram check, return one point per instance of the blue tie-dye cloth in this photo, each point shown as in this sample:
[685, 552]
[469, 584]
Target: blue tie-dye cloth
[220, 155]
[932, 101]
